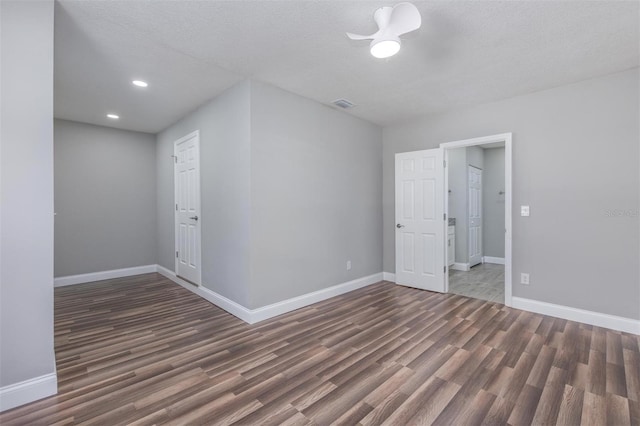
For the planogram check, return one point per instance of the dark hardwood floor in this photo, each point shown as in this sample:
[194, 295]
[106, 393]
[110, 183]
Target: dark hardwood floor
[143, 350]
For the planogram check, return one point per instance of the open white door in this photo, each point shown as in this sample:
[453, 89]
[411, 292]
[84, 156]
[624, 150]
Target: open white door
[187, 200]
[475, 216]
[420, 239]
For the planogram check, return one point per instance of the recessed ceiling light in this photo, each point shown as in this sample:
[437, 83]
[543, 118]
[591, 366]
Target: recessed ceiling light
[140, 83]
[113, 116]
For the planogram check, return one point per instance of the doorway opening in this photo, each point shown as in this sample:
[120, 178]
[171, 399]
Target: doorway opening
[422, 216]
[478, 208]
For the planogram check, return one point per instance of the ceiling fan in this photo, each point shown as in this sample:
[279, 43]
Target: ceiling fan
[393, 21]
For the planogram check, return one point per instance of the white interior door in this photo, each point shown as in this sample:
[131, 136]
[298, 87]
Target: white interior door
[420, 236]
[475, 216]
[187, 200]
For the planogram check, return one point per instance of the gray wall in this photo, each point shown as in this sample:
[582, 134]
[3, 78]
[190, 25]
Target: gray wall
[105, 198]
[316, 196]
[575, 162]
[493, 203]
[290, 191]
[225, 158]
[26, 187]
[475, 158]
[457, 170]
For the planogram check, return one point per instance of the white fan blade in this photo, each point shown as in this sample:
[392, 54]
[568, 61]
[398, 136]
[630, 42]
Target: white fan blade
[362, 37]
[382, 17]
[404, 18]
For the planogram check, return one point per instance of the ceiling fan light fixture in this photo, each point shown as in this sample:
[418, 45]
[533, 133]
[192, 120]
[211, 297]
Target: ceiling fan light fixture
[392, 21]
[385, 48]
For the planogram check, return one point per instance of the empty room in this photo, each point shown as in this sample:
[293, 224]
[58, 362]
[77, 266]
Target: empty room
[319, 212]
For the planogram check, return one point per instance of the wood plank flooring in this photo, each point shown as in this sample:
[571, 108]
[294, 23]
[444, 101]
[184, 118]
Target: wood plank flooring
[143, 350]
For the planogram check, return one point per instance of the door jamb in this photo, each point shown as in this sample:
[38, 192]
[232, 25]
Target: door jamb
[507, 138]
[193, 134]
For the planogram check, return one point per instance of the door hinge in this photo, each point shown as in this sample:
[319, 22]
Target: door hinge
[444, 163]
[445, 269]
[175, 159]
[444, 216]
[176, 254]
[176, 207]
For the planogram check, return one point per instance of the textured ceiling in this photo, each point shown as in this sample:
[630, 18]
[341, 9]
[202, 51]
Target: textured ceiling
[466, 53]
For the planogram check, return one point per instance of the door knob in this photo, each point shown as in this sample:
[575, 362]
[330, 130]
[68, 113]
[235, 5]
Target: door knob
[194, 217]
[399, 226]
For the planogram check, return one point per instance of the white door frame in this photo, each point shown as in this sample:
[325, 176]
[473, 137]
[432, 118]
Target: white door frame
[507, 139]
[195, 134]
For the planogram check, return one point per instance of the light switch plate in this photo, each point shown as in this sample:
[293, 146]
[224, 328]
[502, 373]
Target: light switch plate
[524, 210]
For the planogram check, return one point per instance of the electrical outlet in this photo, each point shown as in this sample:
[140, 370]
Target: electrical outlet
[524, 278]
[348, 265]
[524, 211]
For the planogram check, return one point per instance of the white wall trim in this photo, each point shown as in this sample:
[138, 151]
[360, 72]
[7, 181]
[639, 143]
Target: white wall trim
[389, 276]
[279, 308]
[103, 275]
[460, 266]
[220, 301]
[250, 316]
[40, 387]
[28, 391]
[253, 316]
[491, 259]
[613, 322]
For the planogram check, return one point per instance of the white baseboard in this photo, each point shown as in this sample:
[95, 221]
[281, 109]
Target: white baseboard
[460, 267]
[613, 322]
[253, 316]
[250, 316]
[388, 276]
[103, 275]
[28, 391]
[491, 259]
[279, 308]
[220, 301]
[41, 387]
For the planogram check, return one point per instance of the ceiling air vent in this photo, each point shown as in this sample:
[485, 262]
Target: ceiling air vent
[342, 103]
